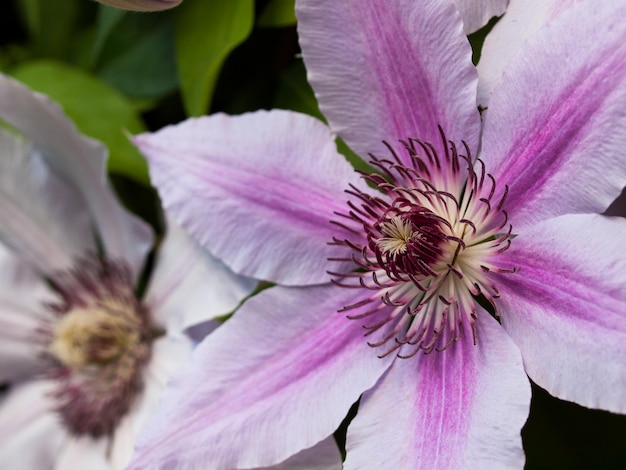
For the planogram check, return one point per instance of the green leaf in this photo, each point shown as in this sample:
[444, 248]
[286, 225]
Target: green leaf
[278, 14]
[138, 57]
[98, 110]
[108, 19]
[51, 25]
[357, 162]
[206, 31]
[295, 93]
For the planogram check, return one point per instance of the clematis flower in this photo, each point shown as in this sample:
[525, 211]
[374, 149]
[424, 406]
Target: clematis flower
[142, 5]
[473, 256]
[86, 357]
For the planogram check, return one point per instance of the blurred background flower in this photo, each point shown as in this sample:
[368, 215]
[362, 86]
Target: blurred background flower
[89, 338]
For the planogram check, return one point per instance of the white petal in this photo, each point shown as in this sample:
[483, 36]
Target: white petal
[83, 452]
[43, 219]
[388, 71]
[275, 379]
[80, 162]
[257, 190]
[169, 353]
[556, 135]
[30, 434]
[22, 294]
[477, 14]
[189, 286]
[566, 307]
[324, 455]
[462, 408]
[521, 20]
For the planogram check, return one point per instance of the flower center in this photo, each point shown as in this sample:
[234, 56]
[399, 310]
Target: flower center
[93, 337]
[408, 239]
[98, 342]
[425, 247]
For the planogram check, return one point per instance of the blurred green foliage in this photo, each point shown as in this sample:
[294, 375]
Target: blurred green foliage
[206, 32]
[278, 14]
[50, 38]
[136, 54]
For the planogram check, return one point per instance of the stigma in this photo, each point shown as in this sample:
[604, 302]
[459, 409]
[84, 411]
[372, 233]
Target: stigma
[424, 247]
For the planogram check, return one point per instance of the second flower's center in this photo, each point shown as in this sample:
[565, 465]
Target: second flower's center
[98, 343]
[425, 248]
[409, 240]
[93, 337]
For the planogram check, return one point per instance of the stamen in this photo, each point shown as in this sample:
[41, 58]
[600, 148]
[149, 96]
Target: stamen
[427, 244]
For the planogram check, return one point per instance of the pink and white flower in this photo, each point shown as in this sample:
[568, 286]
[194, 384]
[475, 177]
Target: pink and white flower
[467, 219]
[85, 356]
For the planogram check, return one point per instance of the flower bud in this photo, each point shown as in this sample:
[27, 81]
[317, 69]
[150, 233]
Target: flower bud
[141, 5]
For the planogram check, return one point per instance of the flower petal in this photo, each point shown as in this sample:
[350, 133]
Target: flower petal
[566, 307]
[41, 217]
[22, 295]
[556, 135]
[30, 434]
[84, 452]
[19, 352]
[522, 20]
[169, 353]
[80, 162]
[324, 455]
[460, 408]
[477, 14]
[189, 286]
[276, 378]
[617, 207]
[390, 71]
[257, 190]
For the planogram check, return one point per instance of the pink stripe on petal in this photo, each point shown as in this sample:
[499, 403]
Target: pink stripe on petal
[390, 70]
[277, 378]
[555, 131]
[566, 307]
[257, 190]
[460, 408]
